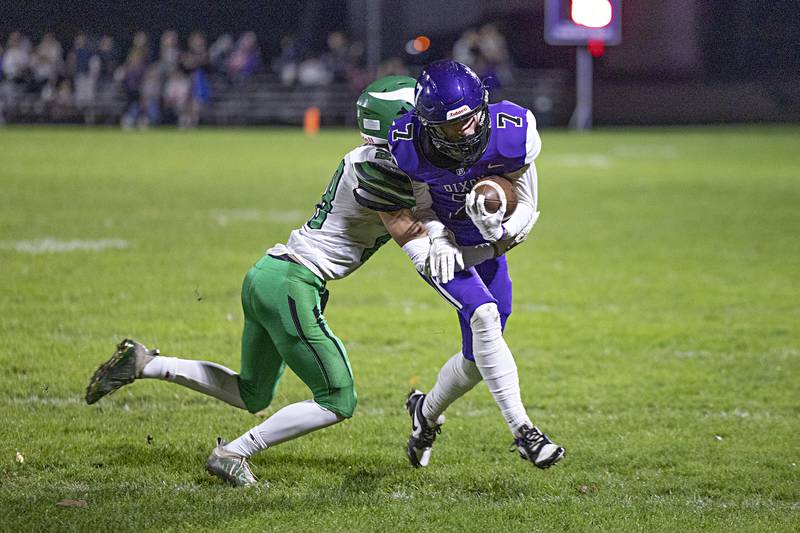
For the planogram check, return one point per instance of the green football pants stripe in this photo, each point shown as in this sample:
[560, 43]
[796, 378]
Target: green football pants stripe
[284, 327]
[299, 329]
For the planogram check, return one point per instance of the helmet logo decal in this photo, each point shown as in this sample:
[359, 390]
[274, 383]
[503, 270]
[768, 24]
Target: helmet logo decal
[405, 94]
[372, 124]
[464, 109]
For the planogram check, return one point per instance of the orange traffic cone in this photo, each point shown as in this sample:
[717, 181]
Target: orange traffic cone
[311, 121]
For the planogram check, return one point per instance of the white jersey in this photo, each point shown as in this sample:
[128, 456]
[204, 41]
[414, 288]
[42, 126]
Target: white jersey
[345, 229]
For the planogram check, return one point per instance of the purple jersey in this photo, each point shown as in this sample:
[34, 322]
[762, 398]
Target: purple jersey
[513, 143]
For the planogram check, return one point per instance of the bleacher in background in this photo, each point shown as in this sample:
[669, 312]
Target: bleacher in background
[263, 100]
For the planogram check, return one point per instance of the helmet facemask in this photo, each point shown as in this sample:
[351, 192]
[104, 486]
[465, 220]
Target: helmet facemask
[468, 149]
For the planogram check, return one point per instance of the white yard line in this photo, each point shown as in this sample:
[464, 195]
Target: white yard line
[664, 151]
[581, 160]
[223, 217]
[51, 245]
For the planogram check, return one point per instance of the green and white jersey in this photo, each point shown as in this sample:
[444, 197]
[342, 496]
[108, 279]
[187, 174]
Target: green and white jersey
[346, 229]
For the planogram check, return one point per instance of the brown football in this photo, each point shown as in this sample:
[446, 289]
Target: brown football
[491, 187]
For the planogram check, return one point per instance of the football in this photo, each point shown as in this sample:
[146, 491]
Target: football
[491, 187]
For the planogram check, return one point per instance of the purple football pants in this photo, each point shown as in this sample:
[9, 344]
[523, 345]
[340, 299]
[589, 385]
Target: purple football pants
[485, 283]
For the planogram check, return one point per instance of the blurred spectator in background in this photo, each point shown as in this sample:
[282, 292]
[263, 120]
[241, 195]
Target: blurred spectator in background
[288, 62]
[131, 74]
[141, 45]
[337, 59]
[83, 66]
[150, 101]
[494, 57]
[62, 104]
[486, 52]
[171, 85]
[169, 52]
[107, 54]
[47, 61]
[56, 99]
[177, 92]
[357, 73]
[17, 58]
[3, 89]
[195, 62]
[245, 59]
[313, 73]
[219, 52]
[467, 49]
[394, 66]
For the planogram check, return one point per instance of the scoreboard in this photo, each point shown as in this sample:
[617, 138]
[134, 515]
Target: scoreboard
[580, 22]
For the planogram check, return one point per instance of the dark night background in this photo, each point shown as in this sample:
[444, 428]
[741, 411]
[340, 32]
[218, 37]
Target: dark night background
[681, 49]
[733, 38]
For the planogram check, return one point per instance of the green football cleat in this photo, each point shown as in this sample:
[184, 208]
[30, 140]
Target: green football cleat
[122, 368]
[229, 467]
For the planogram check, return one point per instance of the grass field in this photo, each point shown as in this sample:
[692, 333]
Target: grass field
[655, 327]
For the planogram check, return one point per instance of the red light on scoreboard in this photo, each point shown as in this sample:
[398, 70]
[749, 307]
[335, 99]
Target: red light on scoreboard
[596, 48]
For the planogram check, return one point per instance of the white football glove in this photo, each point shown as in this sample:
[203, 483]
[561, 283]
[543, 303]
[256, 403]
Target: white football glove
[444, 257]
[489, 224]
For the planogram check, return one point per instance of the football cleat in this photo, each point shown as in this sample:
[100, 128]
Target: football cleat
[423, 433]
[122, 368]
[229, 467]
[534, 446]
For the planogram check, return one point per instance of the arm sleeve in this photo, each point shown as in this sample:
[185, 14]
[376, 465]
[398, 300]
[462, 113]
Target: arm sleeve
[533, 143]
[475, 255]
[527, 196]
[526, 184]
[424, 210]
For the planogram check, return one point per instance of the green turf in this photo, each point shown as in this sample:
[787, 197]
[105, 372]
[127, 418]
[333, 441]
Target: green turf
[656, 320]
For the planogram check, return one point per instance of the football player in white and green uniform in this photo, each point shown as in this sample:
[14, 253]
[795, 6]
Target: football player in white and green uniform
[367, 202]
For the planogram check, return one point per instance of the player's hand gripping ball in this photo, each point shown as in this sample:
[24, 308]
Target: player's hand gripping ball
[490, 202]
[494, 189]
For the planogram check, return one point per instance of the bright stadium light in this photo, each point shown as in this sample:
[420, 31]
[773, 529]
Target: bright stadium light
[578, 22]
[589, 25]
[592, 13]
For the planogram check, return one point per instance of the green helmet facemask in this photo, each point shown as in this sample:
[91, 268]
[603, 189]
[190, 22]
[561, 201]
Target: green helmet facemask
[381, 102]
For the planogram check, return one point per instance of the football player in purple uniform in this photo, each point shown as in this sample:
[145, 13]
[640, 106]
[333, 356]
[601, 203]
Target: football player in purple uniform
[450, 140]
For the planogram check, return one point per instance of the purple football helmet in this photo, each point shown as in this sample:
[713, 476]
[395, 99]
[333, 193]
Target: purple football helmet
[448, 92]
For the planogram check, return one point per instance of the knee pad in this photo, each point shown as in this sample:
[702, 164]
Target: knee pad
[485, 318]
[341, 401]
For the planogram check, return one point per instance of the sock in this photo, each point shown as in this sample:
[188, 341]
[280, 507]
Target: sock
[292, 421]
[456, 377]
[201, 376]
[496, 365]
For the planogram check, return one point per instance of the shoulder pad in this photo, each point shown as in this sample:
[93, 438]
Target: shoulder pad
[401, 144]
[384, 182]
[510, 123]
[382, 153]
